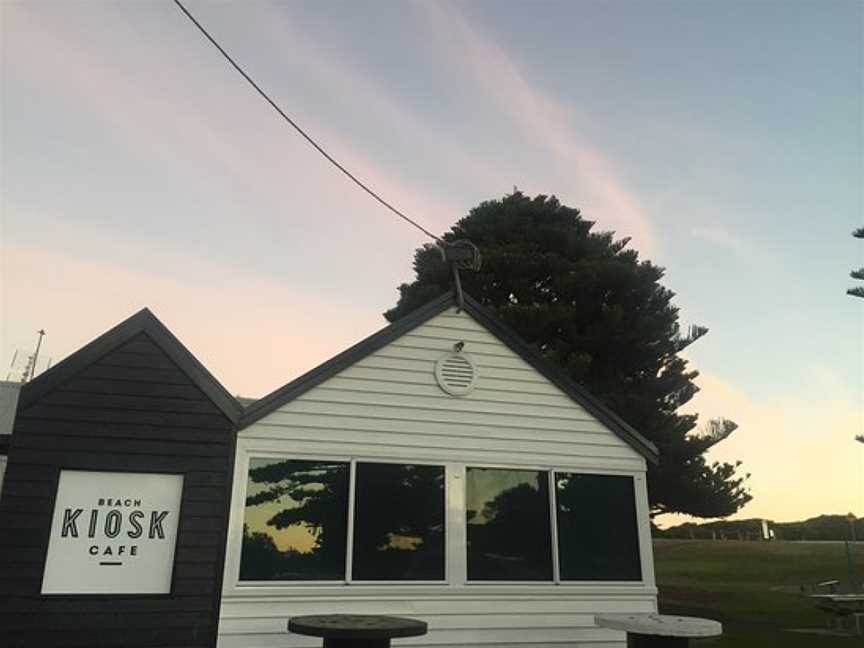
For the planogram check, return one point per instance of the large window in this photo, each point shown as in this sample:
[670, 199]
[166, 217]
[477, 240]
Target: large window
[296, 521]
[399, 522]
[510, 514]
[297, 528]
[597, 534]
[509, 535]
[372, 522]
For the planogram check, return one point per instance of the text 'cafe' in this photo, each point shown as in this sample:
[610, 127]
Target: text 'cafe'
[438, 469]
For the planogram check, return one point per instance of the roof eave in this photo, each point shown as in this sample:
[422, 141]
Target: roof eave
[276, 399]
[322, 372]
[557, 376]
[144, 321]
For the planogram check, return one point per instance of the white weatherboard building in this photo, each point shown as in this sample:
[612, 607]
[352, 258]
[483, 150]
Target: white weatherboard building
[438, 470]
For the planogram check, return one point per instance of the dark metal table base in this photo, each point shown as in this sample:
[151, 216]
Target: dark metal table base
[356, 643]
[356, 630]
[655, 641]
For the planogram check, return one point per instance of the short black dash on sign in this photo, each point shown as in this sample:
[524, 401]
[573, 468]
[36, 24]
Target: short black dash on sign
[110, 564]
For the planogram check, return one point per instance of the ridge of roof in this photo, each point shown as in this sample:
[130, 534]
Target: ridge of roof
[560, 379]
[346, 358]
[505, 334]
[144, 321]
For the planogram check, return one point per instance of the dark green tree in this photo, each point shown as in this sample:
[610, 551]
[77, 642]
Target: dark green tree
[399, 511]
[586, 302]
[318, 492]
[857, 291]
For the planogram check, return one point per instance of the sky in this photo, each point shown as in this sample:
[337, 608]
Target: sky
[725, 138]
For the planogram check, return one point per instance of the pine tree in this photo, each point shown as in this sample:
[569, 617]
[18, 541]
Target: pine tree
[586, 302]
[857, 291]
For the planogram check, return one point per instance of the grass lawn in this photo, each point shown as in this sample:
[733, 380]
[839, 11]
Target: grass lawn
[752, 588]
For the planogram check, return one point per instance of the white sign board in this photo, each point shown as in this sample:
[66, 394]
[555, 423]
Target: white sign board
[113, 533]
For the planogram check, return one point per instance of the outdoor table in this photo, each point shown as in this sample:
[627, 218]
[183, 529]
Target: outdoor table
[356, 630]
[840, 607]
[659, 630]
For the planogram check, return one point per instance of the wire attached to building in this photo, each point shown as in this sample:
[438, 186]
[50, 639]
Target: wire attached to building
[305, 135]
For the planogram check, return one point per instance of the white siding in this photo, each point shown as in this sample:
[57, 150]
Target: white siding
[388, 406]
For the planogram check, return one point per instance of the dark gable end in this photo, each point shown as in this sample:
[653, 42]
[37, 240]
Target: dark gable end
[507, 336]
[145, 323]
[133, 400]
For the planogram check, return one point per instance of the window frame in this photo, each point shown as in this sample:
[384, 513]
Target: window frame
[554, 540]
[636, 510]
[352, 462]
[555, 555]
[456, 546]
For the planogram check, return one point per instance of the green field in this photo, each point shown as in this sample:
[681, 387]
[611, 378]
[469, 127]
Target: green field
[752, 588]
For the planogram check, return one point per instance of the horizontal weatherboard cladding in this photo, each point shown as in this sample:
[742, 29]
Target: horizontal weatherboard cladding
[133, 400]
[421, 336]
[381, 402]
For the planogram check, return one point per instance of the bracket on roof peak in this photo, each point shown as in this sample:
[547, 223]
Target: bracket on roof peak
[461, 254]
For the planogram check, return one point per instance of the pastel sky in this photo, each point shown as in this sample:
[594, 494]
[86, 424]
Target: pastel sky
[725, 138]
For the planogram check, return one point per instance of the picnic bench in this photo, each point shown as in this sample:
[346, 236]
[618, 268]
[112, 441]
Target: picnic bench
[842, 609]
[659, 630]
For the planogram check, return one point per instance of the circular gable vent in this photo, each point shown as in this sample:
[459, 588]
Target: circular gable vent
[456, 374]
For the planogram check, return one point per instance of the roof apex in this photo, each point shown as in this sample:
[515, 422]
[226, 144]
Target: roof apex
[507, 336]
[143, 321]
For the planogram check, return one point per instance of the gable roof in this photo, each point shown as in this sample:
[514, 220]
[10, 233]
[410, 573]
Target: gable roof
[144, 321]
[507, 336]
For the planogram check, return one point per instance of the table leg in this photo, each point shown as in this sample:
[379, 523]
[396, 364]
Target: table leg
[655, 641]
[356, 643]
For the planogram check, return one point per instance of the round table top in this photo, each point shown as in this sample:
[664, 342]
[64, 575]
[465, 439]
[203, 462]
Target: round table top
[356, 626]
[664, 625]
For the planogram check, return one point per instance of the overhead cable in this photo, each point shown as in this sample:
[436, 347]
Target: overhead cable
[305, 135]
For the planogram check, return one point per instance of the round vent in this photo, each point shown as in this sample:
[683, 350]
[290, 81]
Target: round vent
[456, 374]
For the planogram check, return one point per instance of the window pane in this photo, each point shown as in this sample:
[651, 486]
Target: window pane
[509, 536]
[597, 534]
[398, 522]
[295, 524]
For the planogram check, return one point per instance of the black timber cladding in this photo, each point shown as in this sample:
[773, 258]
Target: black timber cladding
[132, 400]
[501, 331]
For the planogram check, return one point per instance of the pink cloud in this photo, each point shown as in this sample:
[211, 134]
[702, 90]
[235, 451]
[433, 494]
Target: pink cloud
[251, 342]
[541, 117]
[356, 89]
[174, 126]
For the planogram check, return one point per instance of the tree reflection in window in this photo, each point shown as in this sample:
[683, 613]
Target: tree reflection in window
[295, 524]
[509, 531]
[597, 534]
[398, 522]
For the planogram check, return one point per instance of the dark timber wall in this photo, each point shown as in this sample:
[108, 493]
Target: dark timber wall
[133, 407]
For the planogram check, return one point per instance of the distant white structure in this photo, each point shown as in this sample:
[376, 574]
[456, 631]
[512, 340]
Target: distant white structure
[8, 405]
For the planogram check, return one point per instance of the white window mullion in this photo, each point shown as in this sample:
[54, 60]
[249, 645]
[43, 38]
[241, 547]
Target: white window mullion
[553, 512]
[349, 541]
[457, 531]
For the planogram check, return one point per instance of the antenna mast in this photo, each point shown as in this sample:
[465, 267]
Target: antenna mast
[30, 369]
[461, 255]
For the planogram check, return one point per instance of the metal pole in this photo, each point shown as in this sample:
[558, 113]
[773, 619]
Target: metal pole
[460, 300]
[850, 554]
[41, 333]
[853, 585]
